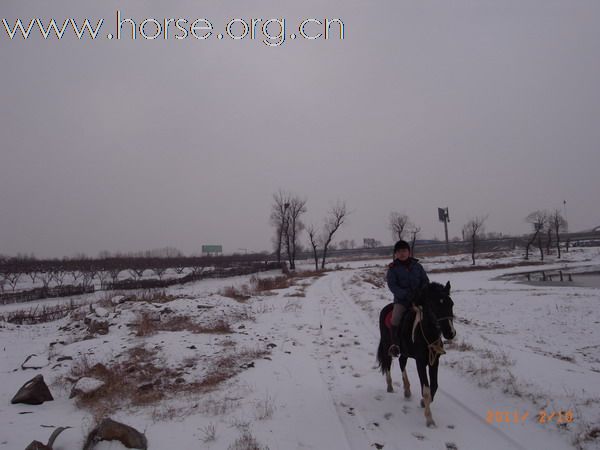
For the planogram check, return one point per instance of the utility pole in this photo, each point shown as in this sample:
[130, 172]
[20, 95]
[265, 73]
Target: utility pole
[445, 217]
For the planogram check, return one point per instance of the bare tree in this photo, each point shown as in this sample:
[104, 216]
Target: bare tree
[114, 274]
[473, 229]
[281, 202]
[13, 279]
[398, 223]
[103, 277]
[87, 277]
[159, 271]
[314, 242]
[549, 234]
[59, 275]
[337, 216]
[558, 224]
[293, 226]
[414, 231]
[46, 278]
[539, 220]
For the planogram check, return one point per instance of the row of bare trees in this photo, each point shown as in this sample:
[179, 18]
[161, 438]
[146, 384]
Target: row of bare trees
[286, 217]
[401, 226]
[546, 224]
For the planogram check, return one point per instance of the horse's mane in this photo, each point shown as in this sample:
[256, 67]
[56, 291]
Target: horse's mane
[435, 285]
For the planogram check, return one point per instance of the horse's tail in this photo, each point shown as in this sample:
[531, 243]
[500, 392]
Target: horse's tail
[384, 359]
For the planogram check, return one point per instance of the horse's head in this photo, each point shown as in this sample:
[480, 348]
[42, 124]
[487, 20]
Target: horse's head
[438, 305]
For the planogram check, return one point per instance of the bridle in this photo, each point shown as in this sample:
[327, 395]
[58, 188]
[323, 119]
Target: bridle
[435, 348]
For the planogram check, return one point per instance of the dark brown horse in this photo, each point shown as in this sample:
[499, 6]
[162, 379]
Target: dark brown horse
[421, 333]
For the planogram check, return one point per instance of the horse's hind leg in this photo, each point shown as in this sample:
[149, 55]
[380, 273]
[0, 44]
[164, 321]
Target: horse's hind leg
[405, 382]
[426, 391]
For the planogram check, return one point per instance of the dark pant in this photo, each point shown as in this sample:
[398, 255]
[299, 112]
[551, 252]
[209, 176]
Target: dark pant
[397, 313]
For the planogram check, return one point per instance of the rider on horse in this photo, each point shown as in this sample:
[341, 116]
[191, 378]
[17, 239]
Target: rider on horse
[404, 276]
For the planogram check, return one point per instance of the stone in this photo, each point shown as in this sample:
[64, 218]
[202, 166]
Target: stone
[101, 312]
[86, 385]
[35, 362]
[98, 326]
[34, 392]
[110, 430]
[117, 299]
[37, 445]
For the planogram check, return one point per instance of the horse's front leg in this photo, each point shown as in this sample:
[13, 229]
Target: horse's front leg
[405, 382]
[433, 378]
[388, 380]
[425, 391]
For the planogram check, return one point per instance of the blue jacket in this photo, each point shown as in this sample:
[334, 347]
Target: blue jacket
[403, 280]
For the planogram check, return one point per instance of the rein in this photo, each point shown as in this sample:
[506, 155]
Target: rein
[435, 348]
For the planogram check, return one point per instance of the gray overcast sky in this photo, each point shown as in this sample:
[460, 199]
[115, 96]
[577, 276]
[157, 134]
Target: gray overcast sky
[487, 107]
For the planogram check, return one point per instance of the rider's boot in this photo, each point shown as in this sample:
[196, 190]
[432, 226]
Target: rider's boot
[394, 350]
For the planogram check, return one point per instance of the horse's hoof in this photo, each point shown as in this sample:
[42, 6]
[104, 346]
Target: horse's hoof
[407, 394]
[390, 389]
[431, 423]
[422, 403]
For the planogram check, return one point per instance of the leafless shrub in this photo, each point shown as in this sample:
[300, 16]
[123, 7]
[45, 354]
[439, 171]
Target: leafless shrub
[219, 406]
[291, 306]
[269, 284]
[146, 326]
[309, 274]
[209, 433]
[39, 314]
[459, 345]
[261, 308]
[225, 367]
[154, 296]
[265, 408]
[139, 379]
[246, 442]
[240, 295]
[299, 293]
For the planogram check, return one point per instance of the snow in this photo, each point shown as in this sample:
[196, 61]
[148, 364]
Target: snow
[314, 383]
[87, 385]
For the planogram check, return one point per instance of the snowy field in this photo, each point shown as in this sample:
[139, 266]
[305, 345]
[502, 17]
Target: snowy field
[294, 368]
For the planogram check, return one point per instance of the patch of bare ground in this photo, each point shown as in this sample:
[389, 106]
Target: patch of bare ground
[148, 325]
[266, 285]
[141, 378]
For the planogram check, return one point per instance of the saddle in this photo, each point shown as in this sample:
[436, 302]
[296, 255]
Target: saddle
[408, 325]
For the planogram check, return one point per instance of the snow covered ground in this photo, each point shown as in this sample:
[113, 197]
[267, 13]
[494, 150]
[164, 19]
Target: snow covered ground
[295, 368]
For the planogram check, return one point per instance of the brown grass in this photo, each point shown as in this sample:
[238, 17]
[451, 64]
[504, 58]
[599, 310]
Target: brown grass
[461, 346]
[269, 284]
[246, 442]
[238, 294]
[147, 326]
[141, 378]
